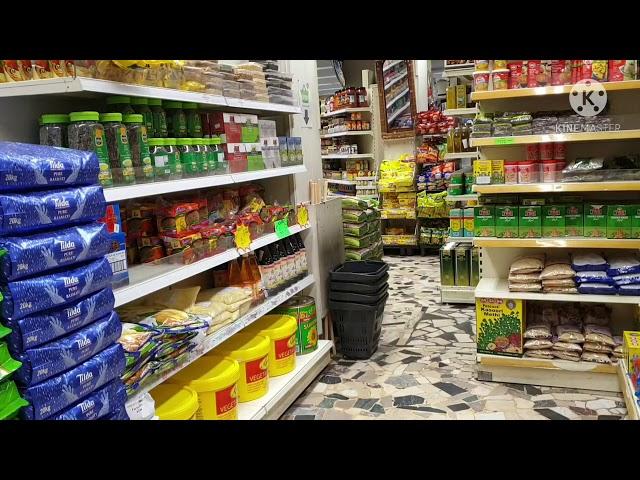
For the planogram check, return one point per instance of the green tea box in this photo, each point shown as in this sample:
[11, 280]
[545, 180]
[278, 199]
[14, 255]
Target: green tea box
[635, 221]
[447, 269]
[553, 221]
[595, 220]
[619, 221]
[574, 220]
[530, 222]
[506, 221]
[484, 221]
[462, 266]
[475, 266]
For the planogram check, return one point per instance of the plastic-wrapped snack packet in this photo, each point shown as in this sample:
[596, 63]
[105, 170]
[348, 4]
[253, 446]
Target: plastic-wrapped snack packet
[24, 297]
[545, 353]
[26, 256]
[55, 357]
[597, 289]
[97, 405]
[588, 262]
[24, 165]
[569, 333]
[170, 321]
[34, 211]
[537, 344]
[599, 334]
[595, 357]
[593, 277]
[139, 342]
[623, 264]
[30, 332]
[633, 289]
[627, 279]
[51, 396]
[537, 331]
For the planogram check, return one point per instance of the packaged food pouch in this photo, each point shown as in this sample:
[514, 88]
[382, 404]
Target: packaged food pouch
[24, 297]
[353, 204]
[564, 355]
[567, 290]
[567, 347]
[25, 166]
[524, 277]
[34, 211]
[174, 322]
[527, 264]
[556, 271]
[627, 279]
[598, 334]
[53, 395]
[97, 405]
[55, 357]
[537, 344]
[633, 289]
[226, 295]
[597, 289]
[569, 334]
[32, 331]
[355, 229]
[595, 357]
[30, 255]
[525, 287]
[538, 331]
[354, 216]
[623, 264]
[176, 298]
[597, 347]
[569, 314]
[544, 353]
[563, 282]
[139, 342]
[588, 262]
[593, 277]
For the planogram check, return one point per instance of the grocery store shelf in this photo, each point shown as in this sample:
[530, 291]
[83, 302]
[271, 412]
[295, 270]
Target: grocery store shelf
[399, 241]
[347, 156]
[395, 80]
[211, 341]
[455, 294]
[499, 288]
[366, 187]
[400, 95]
[552, 373]
[621, 186]
[557, 137]
[630, 399]
[367, 179]
[454, 156]
[344, 111]
[148, 278]
[464, 70]
[577, 242]
[398, 112]
[553, 90]
[116, 194]
[91, 87]
[285, 389]
[340, 182]
[460, 239]
[462, 198]
[346, 134]
[432, 135]
[461, 112]
[391, 65]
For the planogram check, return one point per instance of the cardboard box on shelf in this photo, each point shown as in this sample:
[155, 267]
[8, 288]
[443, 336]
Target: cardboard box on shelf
[530, 222]
[553, 221]
[271, 152]
[447, 265]
[595, 220]
[619, 221]
[228, 126]
[462, 255]
[461, 96]
[451, 97]
[635, 221]
[574, 220]
[255, 160]
[499, 326]
[284, 151]
[236, 156]
[267, 128]
[497, 171]
[484, 222]
[506, 221]
[482, 172]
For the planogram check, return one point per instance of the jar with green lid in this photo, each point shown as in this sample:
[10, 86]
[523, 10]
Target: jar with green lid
[120, 104]
[53, 130]
[141, 107]
[222, 166]
[86, 133]
[118, 146]
[194, 124]
[201, 149]
[139, 146]
[159, 118]
[188, 157]
[160, 159]
[176, 119]
[170, 145]
[209, 155]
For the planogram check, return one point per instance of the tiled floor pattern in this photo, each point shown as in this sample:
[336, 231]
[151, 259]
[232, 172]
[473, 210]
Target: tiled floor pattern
[425, 367]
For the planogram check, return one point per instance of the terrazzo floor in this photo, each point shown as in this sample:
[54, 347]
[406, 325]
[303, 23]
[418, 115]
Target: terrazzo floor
[424, 368]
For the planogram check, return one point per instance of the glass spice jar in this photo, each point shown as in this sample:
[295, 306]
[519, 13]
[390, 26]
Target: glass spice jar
[188, 157]
[200, 151]
[361, 94]
[176, 119]
[170, 145]
[120, 104]
[138, 144]
[194, 123]
[141, 107]
[159, 118]
[53, 130]
[86, 133]
[118, 148]
[160, 159]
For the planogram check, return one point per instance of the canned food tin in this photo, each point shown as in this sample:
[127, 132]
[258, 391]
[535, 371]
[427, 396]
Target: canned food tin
[303, 309]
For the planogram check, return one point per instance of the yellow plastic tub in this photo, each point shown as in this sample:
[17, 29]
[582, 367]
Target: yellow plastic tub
[252, 353]
[281, 330]
[215, 380]
[175, 402]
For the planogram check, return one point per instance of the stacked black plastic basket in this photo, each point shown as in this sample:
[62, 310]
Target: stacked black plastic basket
[357, 297]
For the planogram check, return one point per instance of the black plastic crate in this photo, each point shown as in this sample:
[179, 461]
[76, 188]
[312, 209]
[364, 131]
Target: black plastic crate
[362, 298]
[367, 272]
[359, 287]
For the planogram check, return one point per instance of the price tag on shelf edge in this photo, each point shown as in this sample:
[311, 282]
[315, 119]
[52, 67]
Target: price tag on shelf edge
[303, 215]
[243, 237]
[504, 141]
[282, 228]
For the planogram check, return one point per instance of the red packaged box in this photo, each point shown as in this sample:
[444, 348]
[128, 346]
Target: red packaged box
[519, 76]
[190, 247]
[560, 72]
[178, 220]
[546, 151]
[236, 156]
[150, 249]
[226, 126]
[616, 70]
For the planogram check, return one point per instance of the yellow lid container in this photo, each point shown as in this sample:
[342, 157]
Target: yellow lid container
[175, 402]
[252, 353]
[281, 330]
[215, 380]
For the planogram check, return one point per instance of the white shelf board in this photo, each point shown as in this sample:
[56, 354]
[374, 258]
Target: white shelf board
[462, 198]
[455, 156]
[398, 112]
[395, 80]
[464, 70]
[340, 182]
[499, 288]
[346, 134]
[456, 294]
[148, 278]
[461, 112]
[400, 95]
[91, 86]
[211, 341]
[391, 65]
[346, 156]
[267, 173]
[284, 389]
[344, 111]
[366, 187]
[460, 239]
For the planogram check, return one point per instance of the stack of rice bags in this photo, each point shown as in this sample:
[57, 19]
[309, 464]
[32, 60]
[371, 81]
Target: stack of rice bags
[557, 276]
[624, 270]
[55, 287]
[524, 274]
[592, 274]
[361, 229]
[252, 80]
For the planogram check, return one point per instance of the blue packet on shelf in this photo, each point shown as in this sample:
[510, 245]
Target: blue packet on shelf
[26, 256]
[633, 289]
[24, 297]
[36, 211]
[597, 289]
[55, 357]
[30, 332]
[49, 397]
[627, 279]
[593, 277]
[623, 264]
[99, 404]
[24, 165]
[119, 414]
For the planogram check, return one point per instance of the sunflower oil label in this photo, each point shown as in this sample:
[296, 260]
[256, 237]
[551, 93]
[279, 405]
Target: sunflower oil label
[285, 350]
[257, 374]
[226, 402]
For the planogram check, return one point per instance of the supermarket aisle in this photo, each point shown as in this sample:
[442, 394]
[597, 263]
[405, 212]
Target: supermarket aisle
[424, 368]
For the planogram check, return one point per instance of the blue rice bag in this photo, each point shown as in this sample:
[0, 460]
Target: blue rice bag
[597, 289]
[26, 256]
[593, 277]
[632, 289]
[99, 404]
[588, 262]
[55, 357]
[627, 279]
[35, 211]
[53, 395]
[623, 264]
[23, 297]
[119, 414]
[30, 332]
[23, 165]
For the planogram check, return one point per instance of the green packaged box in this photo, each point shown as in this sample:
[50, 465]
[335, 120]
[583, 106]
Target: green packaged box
[462, 266]
[475, 266]
[574, 220]
[530, 222]
[595, 220]
[506, 221]
[447, 268]
[533, 201]
[635, 221]
[553, 221]
[619, 220]
[484, 221]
